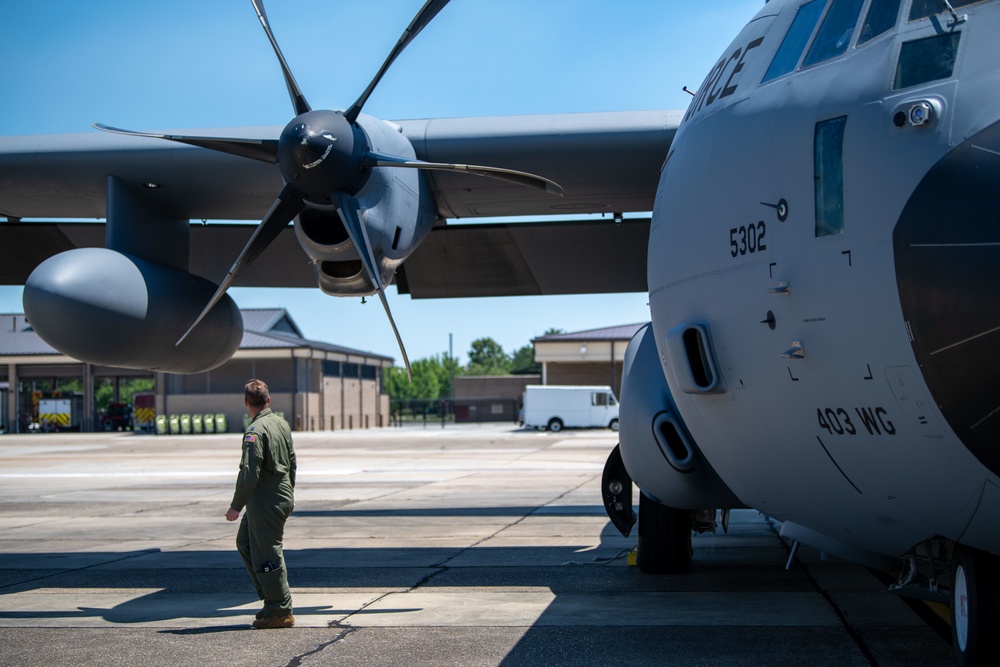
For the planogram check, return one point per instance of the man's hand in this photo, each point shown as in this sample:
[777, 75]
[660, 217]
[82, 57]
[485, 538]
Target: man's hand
[232, 515]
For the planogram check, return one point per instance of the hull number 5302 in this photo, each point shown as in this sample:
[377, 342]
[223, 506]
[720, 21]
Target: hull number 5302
[747, 239]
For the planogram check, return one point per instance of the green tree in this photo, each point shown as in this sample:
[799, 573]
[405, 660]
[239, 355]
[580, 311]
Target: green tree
[127, 389]
[396, 384]
[486, 357]
[450, 368]
[427, 378]
[524, 361]
[104, 394]
[431, 379]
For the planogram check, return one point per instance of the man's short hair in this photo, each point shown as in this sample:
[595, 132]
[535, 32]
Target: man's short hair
[256, 394]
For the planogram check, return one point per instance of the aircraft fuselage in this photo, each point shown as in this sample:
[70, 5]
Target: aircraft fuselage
[850, 324]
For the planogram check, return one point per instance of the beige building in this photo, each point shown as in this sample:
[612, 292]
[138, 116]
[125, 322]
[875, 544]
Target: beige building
[318, 386]
[592, 357]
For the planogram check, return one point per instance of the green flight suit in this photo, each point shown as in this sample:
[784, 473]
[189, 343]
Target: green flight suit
[265, 486]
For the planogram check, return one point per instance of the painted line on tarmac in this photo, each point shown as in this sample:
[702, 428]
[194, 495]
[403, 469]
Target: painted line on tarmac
[152, 474]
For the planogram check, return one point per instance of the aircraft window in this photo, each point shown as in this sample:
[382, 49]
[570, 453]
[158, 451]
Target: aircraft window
[923, 8]
[795, 41]
[834, 34]
[924, 60]
[881, 18]
[828, 158]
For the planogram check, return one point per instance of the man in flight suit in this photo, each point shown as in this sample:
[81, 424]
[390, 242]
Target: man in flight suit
[264, 487]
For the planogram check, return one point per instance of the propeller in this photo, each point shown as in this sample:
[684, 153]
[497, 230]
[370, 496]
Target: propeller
[298, 99]
[510, 175]
[324, 160]
[419, 22]
[265, 150]
[284, 209]
[347, 208]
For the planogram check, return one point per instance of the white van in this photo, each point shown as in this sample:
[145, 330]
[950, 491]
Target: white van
[555, 408]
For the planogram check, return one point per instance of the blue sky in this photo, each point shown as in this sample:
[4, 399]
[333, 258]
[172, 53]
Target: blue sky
[207, 63]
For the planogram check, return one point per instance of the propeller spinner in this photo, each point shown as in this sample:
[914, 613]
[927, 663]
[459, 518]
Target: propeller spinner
[324, 160]
[319, 154]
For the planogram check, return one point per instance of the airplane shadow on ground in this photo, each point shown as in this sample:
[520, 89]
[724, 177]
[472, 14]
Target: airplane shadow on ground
[213, 586]
[218, 585]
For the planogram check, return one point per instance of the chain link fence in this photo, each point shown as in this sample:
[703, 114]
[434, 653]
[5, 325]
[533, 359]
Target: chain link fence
[460, 411]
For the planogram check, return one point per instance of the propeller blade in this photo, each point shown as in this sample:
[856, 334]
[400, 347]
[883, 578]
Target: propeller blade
[283, 210]
[347, 207]
[265, 150]
[419, 22]
[298, 99]
[509, 175]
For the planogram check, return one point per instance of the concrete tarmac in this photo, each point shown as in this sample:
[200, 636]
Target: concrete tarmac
[470, 545]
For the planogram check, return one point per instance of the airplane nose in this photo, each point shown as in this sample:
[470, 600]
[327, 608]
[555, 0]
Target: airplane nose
[947, 254]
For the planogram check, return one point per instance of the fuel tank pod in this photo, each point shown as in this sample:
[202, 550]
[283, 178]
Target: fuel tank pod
[104, 307]
[656, 448]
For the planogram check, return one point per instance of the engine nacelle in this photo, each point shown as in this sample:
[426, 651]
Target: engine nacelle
[397, 210]
[339, 271]
[104, 307]
[656, 448]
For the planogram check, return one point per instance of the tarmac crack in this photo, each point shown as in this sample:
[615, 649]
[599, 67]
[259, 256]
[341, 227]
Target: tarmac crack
[444, 563]
[341, 636]
[442, 566]
[854, 633]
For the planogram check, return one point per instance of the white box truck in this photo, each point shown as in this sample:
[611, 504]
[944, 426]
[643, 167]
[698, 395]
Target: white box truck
[556, 407]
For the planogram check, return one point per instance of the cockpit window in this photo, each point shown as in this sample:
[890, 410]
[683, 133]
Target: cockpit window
[924, 8]
[928, 59]
[835, 34]
[881, 18]
[795, 40]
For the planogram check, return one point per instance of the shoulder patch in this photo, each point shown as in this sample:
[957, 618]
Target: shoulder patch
[250, 437]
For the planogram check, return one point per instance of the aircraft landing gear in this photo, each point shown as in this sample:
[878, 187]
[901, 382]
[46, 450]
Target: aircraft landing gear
[664, 545]
[975, 607]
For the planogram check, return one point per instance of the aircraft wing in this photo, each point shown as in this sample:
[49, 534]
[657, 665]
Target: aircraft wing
[522, 259]
[606, 163]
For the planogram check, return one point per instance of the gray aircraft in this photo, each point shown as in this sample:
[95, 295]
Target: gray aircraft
[820, 265]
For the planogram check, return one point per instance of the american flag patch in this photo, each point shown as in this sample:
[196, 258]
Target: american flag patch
[250, 437]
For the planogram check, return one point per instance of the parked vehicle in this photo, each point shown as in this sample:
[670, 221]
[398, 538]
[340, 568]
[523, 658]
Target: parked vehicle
[557, 407]
[144, 411]
[118, 417]
[62, 412]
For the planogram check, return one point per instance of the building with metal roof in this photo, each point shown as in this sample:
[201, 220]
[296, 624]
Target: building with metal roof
[591, 357]
[317, 385]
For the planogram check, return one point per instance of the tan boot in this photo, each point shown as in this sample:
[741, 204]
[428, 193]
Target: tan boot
[270, 622]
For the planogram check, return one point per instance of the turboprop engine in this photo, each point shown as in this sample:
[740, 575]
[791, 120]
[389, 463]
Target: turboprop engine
[396, 211]
[342, 163]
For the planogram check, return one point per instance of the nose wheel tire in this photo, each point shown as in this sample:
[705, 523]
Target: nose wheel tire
[664, 545]
[975, 607]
